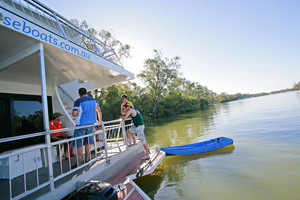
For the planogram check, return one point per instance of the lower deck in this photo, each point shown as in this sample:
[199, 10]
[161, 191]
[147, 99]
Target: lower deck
[35, 172]
[115, 169]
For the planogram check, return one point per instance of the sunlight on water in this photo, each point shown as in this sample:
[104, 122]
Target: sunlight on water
[263, 162]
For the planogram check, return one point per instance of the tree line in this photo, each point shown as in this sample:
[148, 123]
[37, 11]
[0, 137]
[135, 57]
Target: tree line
[166, 93]
[223, 97]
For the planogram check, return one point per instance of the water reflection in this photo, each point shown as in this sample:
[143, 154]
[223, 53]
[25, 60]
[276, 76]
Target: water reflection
[183, 129]
[173, 171]
[154, 181]
[298, 95]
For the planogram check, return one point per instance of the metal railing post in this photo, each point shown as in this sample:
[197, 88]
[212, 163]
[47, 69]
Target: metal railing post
[124, 134]
[60, 27]
[104, 140]
[95, 45]
[45, 113]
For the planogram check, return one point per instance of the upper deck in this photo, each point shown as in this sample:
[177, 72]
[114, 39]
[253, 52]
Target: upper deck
[70, 53]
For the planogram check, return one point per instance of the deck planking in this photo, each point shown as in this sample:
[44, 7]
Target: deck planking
[120, 177]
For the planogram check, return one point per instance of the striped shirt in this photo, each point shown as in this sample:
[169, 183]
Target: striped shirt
[86, 106]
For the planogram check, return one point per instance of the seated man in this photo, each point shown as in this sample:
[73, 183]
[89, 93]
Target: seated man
[56, 124]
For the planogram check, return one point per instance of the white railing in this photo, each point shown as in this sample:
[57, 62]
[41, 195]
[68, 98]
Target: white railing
[27, 170]
[39, 14]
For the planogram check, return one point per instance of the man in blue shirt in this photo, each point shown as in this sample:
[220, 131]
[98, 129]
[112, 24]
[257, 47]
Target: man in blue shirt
[85, 109]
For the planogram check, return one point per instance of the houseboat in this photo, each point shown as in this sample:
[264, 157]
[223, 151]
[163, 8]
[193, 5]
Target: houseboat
[44, 60]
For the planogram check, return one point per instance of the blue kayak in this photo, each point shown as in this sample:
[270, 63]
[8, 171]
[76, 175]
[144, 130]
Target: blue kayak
[200, 147]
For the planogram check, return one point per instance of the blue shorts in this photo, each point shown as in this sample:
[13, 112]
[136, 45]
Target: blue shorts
[82, 132]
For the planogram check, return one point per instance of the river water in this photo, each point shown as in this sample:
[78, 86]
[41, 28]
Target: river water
[263, 163]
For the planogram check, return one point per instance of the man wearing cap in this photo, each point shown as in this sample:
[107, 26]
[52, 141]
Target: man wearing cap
[86, 109]
[124, 101]
[54, 124]
[138, 126]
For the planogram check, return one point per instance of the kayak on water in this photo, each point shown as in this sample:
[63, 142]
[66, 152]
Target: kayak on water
[200, 147]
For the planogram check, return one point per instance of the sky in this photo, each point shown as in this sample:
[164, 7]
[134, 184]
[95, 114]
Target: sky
[231, 46]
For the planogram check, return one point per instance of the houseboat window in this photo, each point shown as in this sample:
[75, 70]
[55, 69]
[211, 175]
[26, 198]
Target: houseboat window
[4, 123]
[28, 116]
[21, 115]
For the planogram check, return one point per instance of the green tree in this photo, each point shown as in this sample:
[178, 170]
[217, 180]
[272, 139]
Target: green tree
[223, 97]
[107, 39]
[158, 73]
[296, 86]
